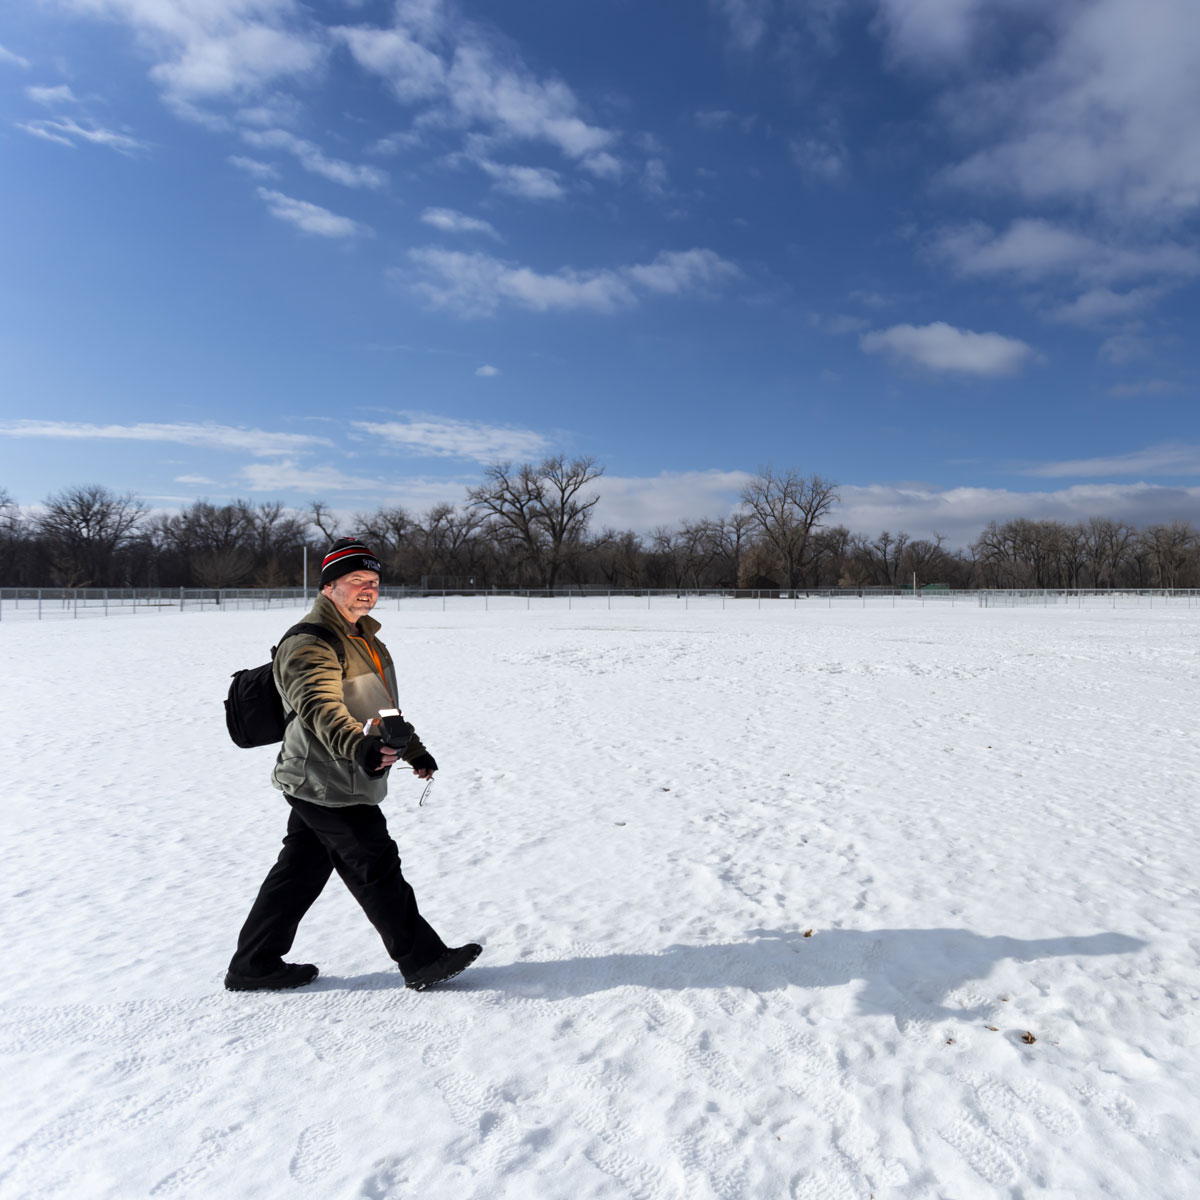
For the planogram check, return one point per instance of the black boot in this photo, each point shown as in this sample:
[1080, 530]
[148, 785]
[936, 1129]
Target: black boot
[448, 964]
[290, 975]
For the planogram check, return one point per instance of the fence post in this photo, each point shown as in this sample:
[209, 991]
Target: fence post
[39, 604]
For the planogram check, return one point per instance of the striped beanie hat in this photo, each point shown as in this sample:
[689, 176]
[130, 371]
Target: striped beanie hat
[347, 554]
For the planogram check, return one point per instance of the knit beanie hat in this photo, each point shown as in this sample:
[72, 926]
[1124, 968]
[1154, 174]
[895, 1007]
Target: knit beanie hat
[347, 554]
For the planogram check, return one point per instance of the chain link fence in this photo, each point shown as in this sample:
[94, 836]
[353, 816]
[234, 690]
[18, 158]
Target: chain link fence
[73, 603]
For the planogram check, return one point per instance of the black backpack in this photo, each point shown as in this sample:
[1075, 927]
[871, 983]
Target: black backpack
[254, 712]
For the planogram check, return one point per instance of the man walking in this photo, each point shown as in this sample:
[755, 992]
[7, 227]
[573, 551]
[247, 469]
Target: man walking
[332, 769]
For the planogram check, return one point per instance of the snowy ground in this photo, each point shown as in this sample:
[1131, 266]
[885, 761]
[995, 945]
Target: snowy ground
[986, 818]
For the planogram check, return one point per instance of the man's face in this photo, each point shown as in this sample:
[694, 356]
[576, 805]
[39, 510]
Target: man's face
[354, 594]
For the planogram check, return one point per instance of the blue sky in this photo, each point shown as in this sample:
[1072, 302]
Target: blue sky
[944, 252]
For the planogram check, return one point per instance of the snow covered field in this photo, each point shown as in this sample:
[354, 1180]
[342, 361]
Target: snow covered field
[771, 900]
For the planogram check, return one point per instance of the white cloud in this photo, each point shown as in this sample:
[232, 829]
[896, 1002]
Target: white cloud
[216, 49]
[13, 60]
[1034, 249]
[674, 272]
[313, 159]
[642, 503]
[52, 96]
[1102, 115]
[963, 513]
[252, 167]
[258, 442]
[487, 372]
[311, 218]
[942, 347]
[66, 132]
[289, 476]
[307, 482]
[747, 20]
[929, 32]
[712, 120]
[1172, 458]
[603, 165]
[465, 78]
[196, 480]
[440, 438]
[477, 284]
[1145, 387]
[1125, 347]
[820, 159]
[529, 183]
[1100, 306]
[654, 178]
[448, 220]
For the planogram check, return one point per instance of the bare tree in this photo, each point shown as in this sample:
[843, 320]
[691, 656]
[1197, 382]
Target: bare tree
[85, 529]
[729, 538]
[787, 508]
[1108, 548]
[321, 515]
[1169, 548]
[12, 537]
[539, 509]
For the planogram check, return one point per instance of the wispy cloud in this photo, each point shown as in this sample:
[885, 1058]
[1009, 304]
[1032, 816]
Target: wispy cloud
[460, 73]
[1031, 250]
[942, 347]
[1101, 306]
[487, 372]
[258, 442]
[450, 221]
[13, 60]
[961, 514]
[253, 168]
[1125, 347]
[311, 218]
[219, 49]
[821, 159]
[441, 438]
[1102, 116]
[51, 97]
[66, 132]
[478, 284]
[309, 481]
[1171, 458]
[312, 158]
[1145, 387]
[713, 120]
[747, 20]
[529, 183]
[642, 503]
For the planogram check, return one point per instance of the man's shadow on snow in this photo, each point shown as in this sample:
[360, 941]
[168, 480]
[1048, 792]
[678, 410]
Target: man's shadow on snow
[907, 973]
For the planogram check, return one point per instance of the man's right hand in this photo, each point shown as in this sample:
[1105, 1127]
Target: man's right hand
[373, 757]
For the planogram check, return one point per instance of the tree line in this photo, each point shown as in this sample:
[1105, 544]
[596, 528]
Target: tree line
[529, 525]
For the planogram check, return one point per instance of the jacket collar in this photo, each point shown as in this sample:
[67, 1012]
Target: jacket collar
[327, 613]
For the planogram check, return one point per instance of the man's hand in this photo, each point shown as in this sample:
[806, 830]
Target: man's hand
[373, 757]
[424, 766]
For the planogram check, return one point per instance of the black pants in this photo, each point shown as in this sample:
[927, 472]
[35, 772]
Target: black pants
[354, 842]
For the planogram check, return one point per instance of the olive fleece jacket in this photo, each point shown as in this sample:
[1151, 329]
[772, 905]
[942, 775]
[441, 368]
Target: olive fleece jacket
[316, 760]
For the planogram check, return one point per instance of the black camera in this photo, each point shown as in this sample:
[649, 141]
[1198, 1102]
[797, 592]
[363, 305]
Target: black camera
[394, 730]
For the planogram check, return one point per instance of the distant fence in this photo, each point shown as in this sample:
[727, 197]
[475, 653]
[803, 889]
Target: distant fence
[73, 603]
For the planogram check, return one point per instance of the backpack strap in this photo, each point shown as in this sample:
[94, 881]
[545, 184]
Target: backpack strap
[326, 635]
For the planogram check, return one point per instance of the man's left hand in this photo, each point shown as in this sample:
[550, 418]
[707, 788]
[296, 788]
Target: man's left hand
[424, 765]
